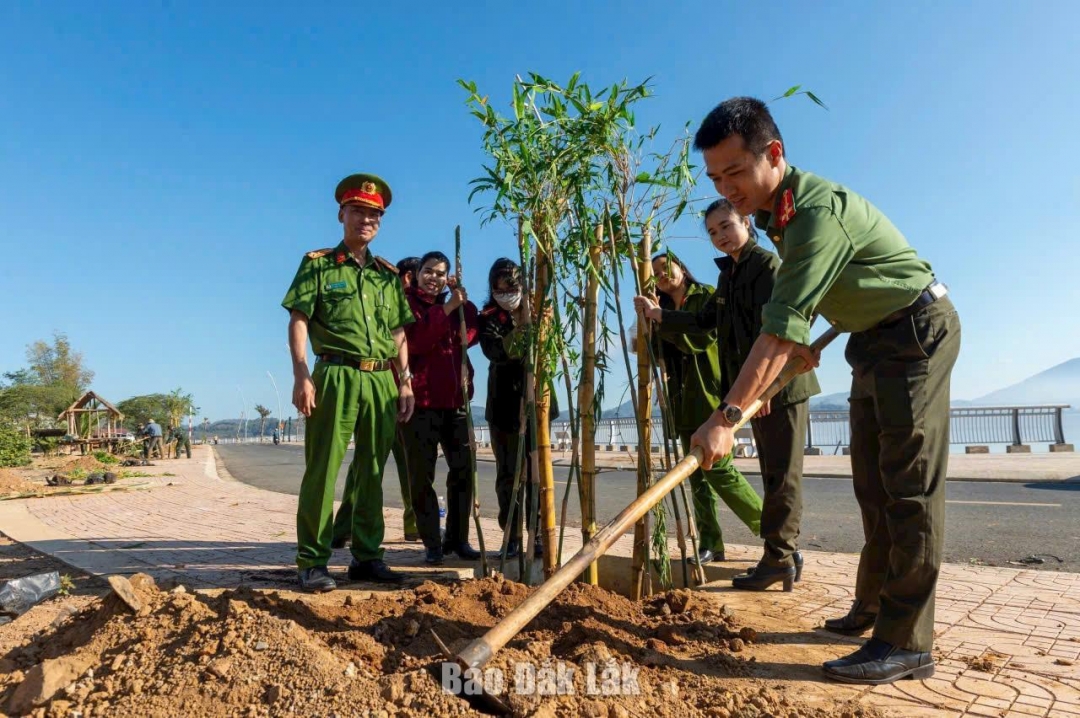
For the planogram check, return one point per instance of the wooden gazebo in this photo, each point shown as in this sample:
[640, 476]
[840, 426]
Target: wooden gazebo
[103, 423]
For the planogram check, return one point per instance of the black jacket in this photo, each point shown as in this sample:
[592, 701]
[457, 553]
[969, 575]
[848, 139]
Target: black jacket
[506, 375]
[734, 310]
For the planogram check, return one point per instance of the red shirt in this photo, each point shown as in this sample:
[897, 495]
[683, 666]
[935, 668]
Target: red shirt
[435, 351]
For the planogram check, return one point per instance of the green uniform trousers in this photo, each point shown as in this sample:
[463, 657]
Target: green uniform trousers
[183, 444]
[348, 402]
[780, 439]
[899, 457]
[725, 481]
[343, 520]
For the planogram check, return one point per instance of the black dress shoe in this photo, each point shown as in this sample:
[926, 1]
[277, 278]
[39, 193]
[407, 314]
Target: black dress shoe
[434, 556]
[339, 543]
[412, 536]
[316, 579]
[374, 570]
[761, 577]
[706, 556]
[857, 620]
[880, 663]
[463, 550]
[797, 556]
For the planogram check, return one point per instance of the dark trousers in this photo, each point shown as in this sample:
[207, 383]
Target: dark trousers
[781, 438]
[153, 444]
[899, 458]
[426, 432]
[504, 444]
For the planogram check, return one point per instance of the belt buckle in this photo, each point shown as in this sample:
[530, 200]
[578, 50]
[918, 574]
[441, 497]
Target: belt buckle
[366, 365]
[937, 290]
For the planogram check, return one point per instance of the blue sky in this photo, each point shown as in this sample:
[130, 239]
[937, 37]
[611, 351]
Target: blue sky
[163, 166]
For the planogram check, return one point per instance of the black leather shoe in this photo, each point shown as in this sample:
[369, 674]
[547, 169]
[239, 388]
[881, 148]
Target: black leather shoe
[797, 556]
[463, 550]
[880, 663]
[316, 579]
[707, 556]
[339, 543]
[513, 548]
[412, 536]
[374, 570]
[434, 556]
[761, 577]
[857, 620]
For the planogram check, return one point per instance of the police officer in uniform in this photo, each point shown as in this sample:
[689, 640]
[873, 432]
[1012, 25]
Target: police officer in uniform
[844, 259]
[351, 305]
[407, 269]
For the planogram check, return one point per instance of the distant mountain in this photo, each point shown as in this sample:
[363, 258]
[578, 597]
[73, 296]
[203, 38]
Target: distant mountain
[830, 402]
[1057, 385]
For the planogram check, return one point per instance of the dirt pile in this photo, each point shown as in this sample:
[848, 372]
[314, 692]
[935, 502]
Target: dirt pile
[12, 482]
[143, 651]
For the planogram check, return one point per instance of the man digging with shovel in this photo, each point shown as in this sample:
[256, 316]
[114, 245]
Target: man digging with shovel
[842, 258]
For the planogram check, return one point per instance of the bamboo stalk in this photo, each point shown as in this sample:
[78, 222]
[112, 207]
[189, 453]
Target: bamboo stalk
[546, 473]
[642, 575]
[630, 381]
[468, 410]
[575, 434]
[587, 401]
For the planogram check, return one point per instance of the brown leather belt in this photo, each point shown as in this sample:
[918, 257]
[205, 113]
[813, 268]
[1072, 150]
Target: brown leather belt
[931, 294]
[361, 364]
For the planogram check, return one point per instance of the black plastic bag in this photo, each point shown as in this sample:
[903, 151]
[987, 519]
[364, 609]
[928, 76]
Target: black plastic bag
[19, 596]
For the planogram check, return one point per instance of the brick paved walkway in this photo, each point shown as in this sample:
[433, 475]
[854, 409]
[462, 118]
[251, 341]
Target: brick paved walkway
[1022, 627]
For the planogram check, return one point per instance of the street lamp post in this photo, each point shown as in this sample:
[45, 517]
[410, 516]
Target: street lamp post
[278, 415]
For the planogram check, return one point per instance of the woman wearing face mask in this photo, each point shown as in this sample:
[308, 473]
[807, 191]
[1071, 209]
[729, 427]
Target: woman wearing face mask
[693, 366]
[747, 275]
[503, 323]
[439, 418]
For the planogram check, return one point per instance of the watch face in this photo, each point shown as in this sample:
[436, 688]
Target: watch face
[733, 414]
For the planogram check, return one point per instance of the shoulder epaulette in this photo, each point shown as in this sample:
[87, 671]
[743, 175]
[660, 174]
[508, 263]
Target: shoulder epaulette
[490, 310]
[387, 263]
[319, 253]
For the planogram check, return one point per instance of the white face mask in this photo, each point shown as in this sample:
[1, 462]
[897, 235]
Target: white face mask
[508, 301]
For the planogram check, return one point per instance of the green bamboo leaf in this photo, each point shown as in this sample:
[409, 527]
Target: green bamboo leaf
[816, 100]
[792, 90]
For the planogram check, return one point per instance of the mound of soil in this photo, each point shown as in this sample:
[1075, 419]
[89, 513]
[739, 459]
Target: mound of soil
[143, 651]
[12, 482]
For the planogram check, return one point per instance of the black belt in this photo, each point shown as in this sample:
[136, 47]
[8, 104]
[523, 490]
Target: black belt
[931, 294]
[361, 364]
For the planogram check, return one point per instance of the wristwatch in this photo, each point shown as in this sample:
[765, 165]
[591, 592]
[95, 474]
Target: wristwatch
[732, 414]
[405, 376]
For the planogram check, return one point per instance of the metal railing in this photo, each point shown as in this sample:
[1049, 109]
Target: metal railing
[1014, 425]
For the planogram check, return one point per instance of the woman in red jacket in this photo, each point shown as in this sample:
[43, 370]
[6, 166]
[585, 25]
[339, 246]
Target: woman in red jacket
[439, 418]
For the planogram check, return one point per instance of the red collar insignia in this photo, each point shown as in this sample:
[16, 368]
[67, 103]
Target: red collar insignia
[787, 208]
[340, 258]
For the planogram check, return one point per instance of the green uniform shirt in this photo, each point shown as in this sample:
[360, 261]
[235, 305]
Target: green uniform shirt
[352, 310]
[693, 365]
[842, 257]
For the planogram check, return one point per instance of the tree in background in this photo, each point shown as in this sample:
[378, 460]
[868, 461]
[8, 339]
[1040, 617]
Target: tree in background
[57, 364]
[171, 407]
[32, 398]
[263, 413]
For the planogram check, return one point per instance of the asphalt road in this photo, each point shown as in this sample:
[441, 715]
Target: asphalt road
[986, 522]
